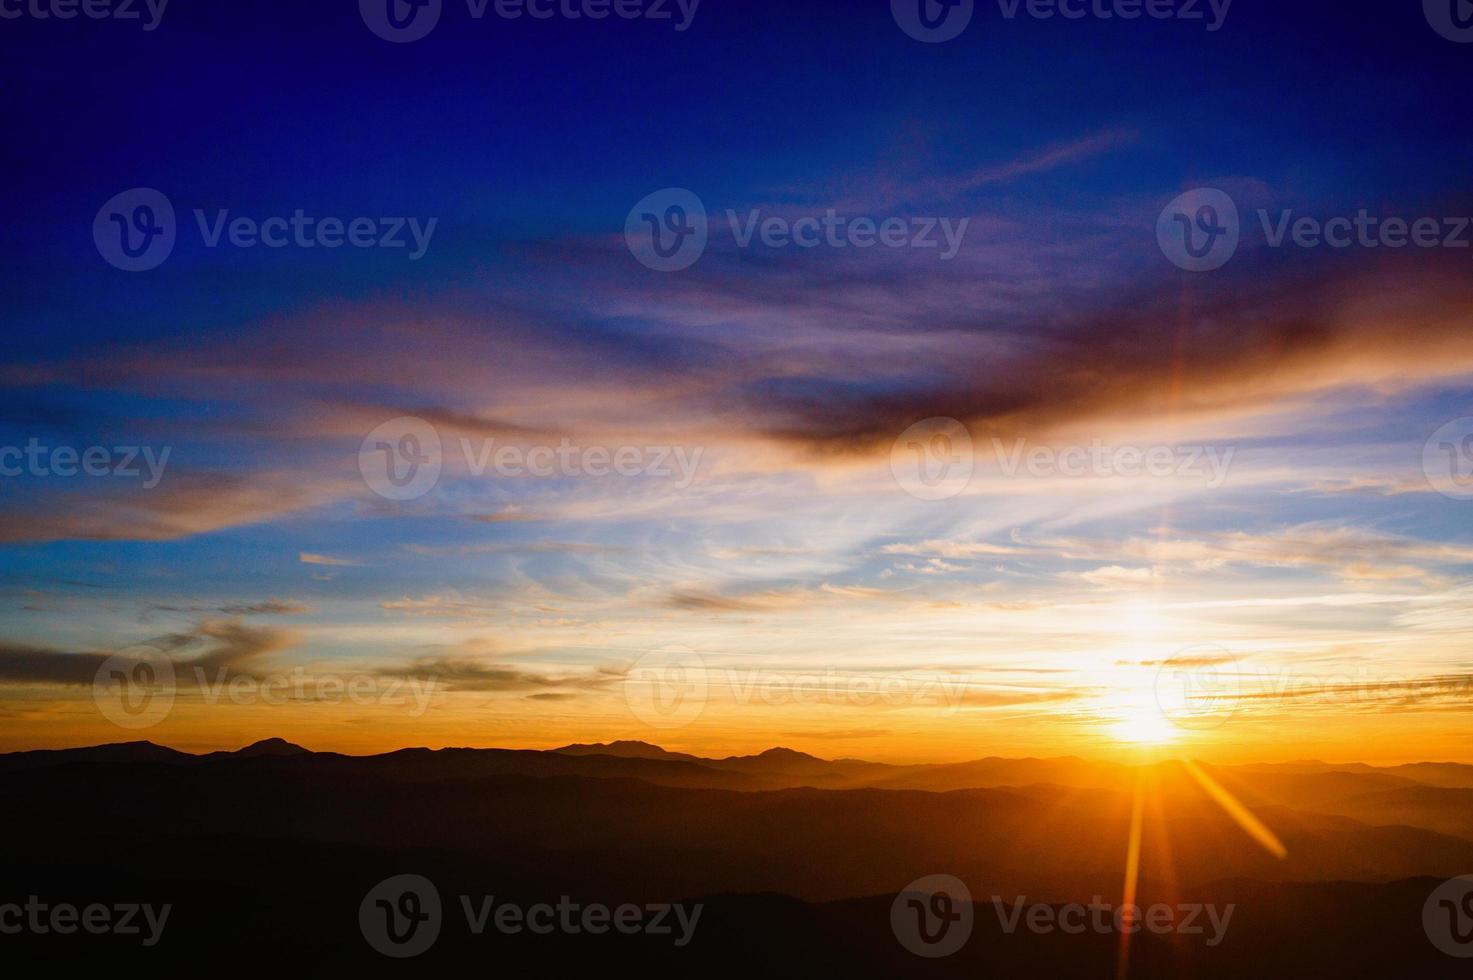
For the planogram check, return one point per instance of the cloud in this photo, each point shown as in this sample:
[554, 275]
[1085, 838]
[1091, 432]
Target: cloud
[231, 644]
[1118, 577]
[1262, 345]
[265, 607]
[30, 664]
[184, 504]
[1352, 552]
[308, 558]
[224, 645]
[951, 549]
[469, 674]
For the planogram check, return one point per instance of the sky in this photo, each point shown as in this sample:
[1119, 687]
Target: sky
[922, 434]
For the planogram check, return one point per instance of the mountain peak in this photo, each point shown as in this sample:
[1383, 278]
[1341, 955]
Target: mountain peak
[778, 752]
[271, 746]
[623, 748]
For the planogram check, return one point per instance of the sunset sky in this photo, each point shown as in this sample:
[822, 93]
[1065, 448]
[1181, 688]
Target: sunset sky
[1297, 568]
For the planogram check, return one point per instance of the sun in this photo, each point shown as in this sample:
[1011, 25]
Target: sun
[1143, 725]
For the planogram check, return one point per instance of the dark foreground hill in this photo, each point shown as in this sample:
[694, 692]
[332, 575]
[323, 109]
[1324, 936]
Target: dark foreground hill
[265, 856]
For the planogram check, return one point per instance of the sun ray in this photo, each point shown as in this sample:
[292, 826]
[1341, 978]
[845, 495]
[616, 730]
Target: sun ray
[1251, 825]
[1132, 875]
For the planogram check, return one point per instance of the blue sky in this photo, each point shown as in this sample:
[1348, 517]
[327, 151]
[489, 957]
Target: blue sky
[790, 374]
